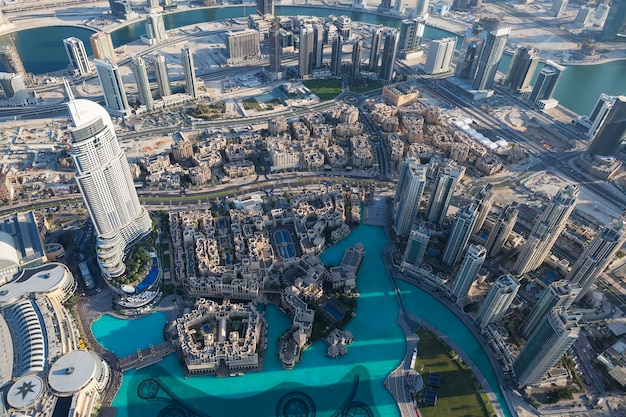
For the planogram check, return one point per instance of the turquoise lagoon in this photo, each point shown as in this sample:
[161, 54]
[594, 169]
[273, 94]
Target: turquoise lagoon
[318, 386]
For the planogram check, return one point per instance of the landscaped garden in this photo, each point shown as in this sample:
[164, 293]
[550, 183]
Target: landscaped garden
[325, 89]
[459, 394]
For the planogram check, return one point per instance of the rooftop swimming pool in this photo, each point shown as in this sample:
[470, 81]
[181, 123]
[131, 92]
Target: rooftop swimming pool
[318, 386]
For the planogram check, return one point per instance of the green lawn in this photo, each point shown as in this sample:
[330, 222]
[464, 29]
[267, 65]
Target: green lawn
[458, 393]
[326, 89]
[361, 85]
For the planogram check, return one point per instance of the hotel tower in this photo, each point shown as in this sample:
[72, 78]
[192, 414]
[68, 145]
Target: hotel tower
[105, 182]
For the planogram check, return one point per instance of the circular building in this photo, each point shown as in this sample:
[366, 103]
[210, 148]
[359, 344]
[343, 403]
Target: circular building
[78, 371]
[25, 392]
[9, 262]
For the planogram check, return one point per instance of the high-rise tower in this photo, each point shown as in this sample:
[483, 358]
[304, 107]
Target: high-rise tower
[599, 113]
[387, 65]
[612, 131]
[615, 24]
[556, 333]
[421, 8]
[490, 57]
[162, 77]
[274, 49]
[12, 61]
[377, 36]
[597, 255]
[155, 28]
[191, 84]
[138, 66]
[102, 46]
[483, 200]
[498, 300]
[106, 184]
[357, 53]
[548, 226]
[546, 83]
[523, 66]
[472, 47]
[416, 246]
[447, 179]
[559, 294]
[440, 54]
[305, 53]
[265, 7]
[75, 50]
[501, 229]
[318, 46]
[460, 234]
[112, 86]
[409, 190]
[558, 8]
[335, 58]
[411, 33]
[472, 262]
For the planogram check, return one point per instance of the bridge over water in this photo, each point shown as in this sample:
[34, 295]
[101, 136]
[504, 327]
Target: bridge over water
[146, 357]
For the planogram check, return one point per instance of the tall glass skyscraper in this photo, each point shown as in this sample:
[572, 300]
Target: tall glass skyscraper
[615, 24]
[522, 68]
[558, 294]
[191, 84]
[138, 66]
[460, 234]
[612, 130]
[472, 262]
[548, 226]
[112, 86]
[77, 55]
[106, 184]
[162, 76]
[556, 333]
[447, 179]
[597, 255]
[409, 190]
[498, 300]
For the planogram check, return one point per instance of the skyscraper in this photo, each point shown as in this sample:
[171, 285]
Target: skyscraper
[335, 58]
[490, 57]
[411, 33]
[501, 229]
[440, 54]
[377, 36]
[472, 47]
[265, 7]
[597, 255]
[612, 131]
[548, 226]
[162, 77]
[155, 28]
[498, 300]
[112, 86]
[305, 53]
[274, 49]
[460, 234]
[421, 8]
[483, 200]
[12, 61]
[106, 184]
[560, 294]
[523, 66]
[447, 179]
[388, 62]
[615, 24]
[409, 190]
[599, 113]
[416, 246]
[556, 333]
[398, 6]
[138, 66]
[191, 84]
[318, 46]
[75, 50]
[357, 53]
[102, 46]
[546, 82]
[558, 8]
[472, 262]
[242, 45]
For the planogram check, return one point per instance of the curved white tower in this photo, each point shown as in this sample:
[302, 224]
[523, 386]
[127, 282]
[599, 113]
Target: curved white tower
[106, 184]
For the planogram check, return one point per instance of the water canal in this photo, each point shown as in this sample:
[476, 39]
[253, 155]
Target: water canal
[352, 384]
